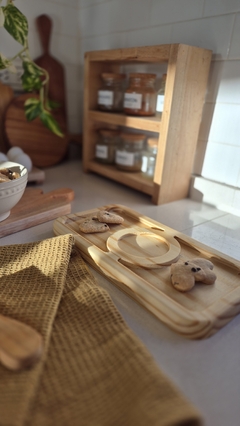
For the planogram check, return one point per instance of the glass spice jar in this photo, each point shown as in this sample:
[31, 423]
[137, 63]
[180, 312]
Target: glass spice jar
[140, 96]
[105, 147]
[149, 157]
[111, 94]
[129, 152]
[161, 94]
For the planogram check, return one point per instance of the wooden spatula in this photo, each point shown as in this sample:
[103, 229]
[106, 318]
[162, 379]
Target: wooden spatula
[20, 345]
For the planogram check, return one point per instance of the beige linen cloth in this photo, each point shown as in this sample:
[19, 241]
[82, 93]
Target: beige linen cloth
[94, 370]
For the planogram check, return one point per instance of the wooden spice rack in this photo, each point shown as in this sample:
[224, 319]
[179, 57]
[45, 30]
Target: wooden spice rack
[178, 126]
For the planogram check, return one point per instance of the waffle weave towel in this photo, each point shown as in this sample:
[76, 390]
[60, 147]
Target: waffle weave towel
[94, 370]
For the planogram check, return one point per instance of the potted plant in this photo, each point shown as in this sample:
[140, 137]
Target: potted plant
[34, 78]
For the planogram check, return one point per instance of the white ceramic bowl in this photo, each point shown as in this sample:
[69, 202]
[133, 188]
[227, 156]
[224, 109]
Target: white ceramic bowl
[11, 192]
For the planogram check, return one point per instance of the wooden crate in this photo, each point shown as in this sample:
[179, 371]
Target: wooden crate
[177, 127]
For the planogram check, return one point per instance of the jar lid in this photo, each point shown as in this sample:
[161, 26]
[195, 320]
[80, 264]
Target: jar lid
[113, 76]
[152, 142]
[142, 75]
[133, 137]
[108, 132]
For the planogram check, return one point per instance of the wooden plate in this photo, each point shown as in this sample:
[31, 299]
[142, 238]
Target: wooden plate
[197, 314]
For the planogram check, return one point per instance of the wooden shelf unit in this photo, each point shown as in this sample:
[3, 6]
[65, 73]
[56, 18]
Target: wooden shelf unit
[178, 126]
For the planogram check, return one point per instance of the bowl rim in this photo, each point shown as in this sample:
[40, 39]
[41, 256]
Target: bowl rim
[16, 167]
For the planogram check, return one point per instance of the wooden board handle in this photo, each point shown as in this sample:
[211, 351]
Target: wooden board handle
[20, 345]
[66, 193]
[44, 26]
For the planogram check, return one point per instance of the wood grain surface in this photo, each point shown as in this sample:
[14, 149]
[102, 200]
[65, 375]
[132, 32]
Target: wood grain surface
[196, 314]
[36, 207]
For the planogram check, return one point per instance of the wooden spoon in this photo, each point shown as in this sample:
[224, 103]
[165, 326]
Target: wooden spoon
[20, 345]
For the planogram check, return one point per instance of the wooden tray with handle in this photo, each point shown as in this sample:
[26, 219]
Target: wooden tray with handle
[136, 256]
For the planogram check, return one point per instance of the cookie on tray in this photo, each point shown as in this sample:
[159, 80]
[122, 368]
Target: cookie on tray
[91, 225]
[108, 217]
[184, 275]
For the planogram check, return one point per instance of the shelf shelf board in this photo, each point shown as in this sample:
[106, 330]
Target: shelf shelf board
[152, 124]
[134, 180]
[155, 54]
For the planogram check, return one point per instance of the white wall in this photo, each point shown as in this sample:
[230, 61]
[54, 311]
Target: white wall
[82, 25]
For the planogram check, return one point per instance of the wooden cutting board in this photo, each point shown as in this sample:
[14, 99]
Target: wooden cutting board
[36, 207]
[44, 148]
[126, 254]
[55, 69]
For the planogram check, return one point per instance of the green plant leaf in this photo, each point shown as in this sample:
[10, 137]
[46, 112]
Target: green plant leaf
[16, 23]
[30, 83]
[49, 121]
[31, 77]
[2, 17]
[33, 108]
[32, 68]
[52, 104]
[4, 62]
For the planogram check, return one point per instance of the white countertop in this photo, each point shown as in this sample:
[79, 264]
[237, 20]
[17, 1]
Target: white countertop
[206, 371]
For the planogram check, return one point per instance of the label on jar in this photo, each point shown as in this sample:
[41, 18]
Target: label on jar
[125, 158]
[101, 151]
[132, 100]
[160, 102]
[144, 163]
[105, 97]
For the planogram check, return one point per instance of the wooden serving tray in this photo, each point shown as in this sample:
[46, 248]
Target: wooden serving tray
[118, 255]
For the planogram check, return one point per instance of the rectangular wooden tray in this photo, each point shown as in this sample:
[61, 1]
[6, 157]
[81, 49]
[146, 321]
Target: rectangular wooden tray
[196, 314]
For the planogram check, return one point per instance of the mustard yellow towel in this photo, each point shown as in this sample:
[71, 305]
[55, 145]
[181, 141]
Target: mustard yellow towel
[94, 371]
